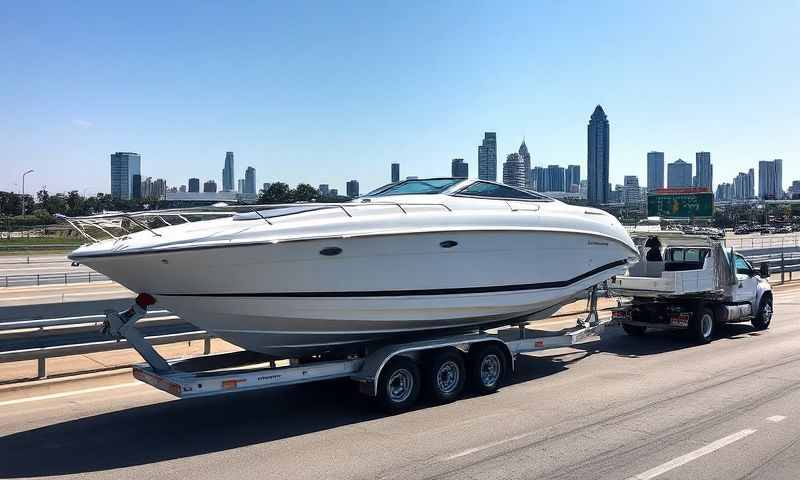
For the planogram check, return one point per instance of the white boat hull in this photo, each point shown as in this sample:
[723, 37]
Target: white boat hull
[288, 299]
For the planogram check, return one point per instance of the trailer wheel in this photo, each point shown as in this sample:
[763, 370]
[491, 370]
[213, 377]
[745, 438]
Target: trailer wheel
[634, 330]
[487, 367]
[445, 375]
[702, 325]
[762, 320]
[399, 385]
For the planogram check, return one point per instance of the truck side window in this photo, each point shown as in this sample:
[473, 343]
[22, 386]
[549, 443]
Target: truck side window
[742, 266]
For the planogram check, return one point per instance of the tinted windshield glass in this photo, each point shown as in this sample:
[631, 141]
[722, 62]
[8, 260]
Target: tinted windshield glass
[420, 187]
[492, 190]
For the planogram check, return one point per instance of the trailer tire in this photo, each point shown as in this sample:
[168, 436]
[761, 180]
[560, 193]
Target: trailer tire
[764, 317]
[399, 385]
[701, 327]
[634, 330]
[487, 368]
[445, 375]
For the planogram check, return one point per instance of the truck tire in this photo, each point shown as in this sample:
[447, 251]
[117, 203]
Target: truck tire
[634, 330]
[487, 368]
[764, 316]
[399, 385]
[701, 327]
[445, 375]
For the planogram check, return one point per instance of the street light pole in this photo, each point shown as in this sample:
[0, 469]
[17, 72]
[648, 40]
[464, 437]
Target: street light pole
[23, 190]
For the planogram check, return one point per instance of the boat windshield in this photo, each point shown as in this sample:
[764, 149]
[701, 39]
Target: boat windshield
[419, 187]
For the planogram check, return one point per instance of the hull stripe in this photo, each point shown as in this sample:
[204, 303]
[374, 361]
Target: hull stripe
[409, 293]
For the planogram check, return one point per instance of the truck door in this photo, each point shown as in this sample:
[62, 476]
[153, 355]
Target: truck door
[745, 291]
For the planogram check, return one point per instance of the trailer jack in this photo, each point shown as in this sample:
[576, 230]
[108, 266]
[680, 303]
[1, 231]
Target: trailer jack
[121, 325]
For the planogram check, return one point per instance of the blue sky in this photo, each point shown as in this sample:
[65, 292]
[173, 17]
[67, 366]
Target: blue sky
[322, 92]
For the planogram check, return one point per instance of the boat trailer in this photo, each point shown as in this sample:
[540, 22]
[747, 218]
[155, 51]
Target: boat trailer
[383, 373]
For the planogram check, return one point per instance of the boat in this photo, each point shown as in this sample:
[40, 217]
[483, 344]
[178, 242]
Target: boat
[421, 256]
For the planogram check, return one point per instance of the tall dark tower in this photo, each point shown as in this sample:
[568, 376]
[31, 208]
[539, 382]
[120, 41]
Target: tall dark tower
[597, 157]
[526, 159]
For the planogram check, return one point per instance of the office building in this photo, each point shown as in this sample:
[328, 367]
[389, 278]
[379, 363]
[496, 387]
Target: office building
[459, 168]
[655, 171]
[324, 190]
[228, 173]
[136, 187]
[395, 172]
[555, 179]
[124, 165]
[770, 179]
[631, 193]
[159, 189]
[724, 193]
[487, 157]
[194, 184]
[572, 177]
[334, 192]
[352, 188]
[704, 171]
[539, 179]
[514, 170]
[679, 174]
[210, 186]
[183, 188]
[598, 157]
[526, 160]
[250, 180]
[147, 188]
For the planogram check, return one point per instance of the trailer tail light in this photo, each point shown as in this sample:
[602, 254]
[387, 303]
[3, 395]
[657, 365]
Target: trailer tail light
[619, 314]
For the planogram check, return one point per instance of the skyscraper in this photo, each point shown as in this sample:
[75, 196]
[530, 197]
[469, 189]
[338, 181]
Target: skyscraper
[194, 184]
[136, 187]
[487, 157]
[598, 157]
[210, 186]
[159, 189]
[228, 173]
[704, 170]
[526, 159]
[655, 171]
[555, 178]
[324, 190]
[459, 168]
[250, 180]
[539, 175]
[395, 172]
[572, 177]
[147, 187]
[240, 185]
[352, 188]
[770, 179]
[124, 165]
[679, 174]
[514, 170]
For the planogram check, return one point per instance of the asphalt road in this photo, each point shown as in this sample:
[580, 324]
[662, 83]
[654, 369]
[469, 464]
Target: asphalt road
[618, 408]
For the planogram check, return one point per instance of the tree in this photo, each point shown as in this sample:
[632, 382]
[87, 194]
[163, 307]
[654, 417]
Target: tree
[305, 193]
[278, 192]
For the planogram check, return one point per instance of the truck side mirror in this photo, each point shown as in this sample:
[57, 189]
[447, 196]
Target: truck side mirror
[763, 271]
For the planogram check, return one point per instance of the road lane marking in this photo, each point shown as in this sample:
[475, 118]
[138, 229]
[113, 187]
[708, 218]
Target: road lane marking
[68, 394]
[684, 459]
[487, 446]
[776, 418]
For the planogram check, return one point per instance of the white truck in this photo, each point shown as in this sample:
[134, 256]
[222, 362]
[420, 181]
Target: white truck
[690, 282]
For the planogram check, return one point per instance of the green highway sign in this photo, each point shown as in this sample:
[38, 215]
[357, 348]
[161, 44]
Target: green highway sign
[681, 205]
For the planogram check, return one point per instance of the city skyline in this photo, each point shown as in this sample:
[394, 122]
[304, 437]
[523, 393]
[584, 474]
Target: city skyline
[184, 107]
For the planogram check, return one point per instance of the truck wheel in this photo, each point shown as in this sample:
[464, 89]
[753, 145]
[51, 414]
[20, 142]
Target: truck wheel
[634, 330]
[486, 368]
[445, 375]
[762, 320]
[701, 327]
[399, 385]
